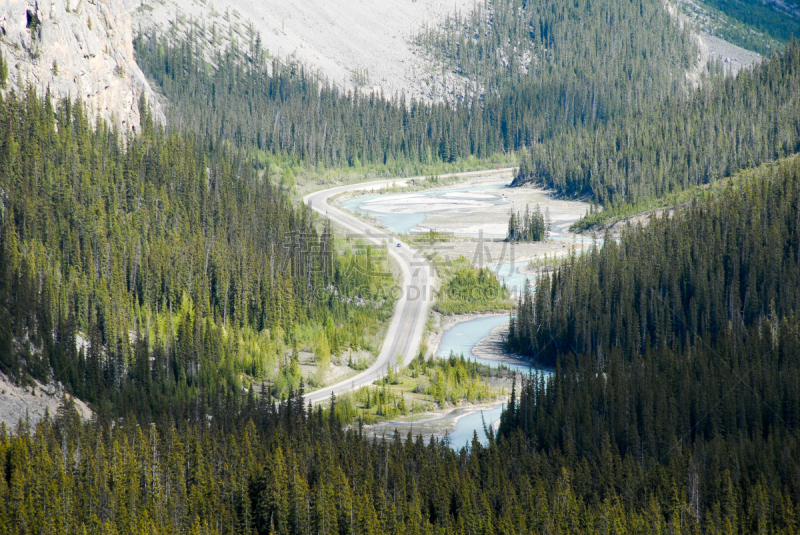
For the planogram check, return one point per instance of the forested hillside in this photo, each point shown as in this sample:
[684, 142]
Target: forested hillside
[162, 277]
[725, 125]
[534, 70]
[723, 20]
[616, 119]
[142, 274]
[255, 468]
[715, 270]
[549, 67]
[678, 347]
[252, 101]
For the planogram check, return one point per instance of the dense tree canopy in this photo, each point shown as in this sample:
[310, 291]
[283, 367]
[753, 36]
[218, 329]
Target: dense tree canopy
[617, 119]
[726, 125]
[165, 279]
[679, 344]
[145, 269]
[531, 70]
[714, 269]
[254, 467]
[529, 226]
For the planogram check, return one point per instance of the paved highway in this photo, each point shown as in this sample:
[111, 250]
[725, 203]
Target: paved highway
[411, 311]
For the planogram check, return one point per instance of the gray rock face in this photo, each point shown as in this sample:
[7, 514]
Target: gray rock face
[78, 48]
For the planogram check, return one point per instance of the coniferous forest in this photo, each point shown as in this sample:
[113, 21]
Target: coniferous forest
[150, 274]
[678, 346]
[164, 278]
[529, 226]
[617, 120]
[531, 70]
[724, 126]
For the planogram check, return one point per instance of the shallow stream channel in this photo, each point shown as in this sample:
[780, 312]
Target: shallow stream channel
[475, 215]
[404, 212]
[459, 424]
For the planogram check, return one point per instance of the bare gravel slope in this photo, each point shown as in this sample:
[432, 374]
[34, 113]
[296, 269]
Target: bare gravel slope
[364, 43]
[32, 402]
[734, 58]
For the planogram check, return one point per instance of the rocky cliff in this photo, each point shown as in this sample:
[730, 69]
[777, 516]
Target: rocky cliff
[77, 48]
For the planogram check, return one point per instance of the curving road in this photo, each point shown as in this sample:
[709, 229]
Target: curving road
[411, 311]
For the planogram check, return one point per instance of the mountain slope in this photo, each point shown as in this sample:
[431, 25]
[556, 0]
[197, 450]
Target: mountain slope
[77, 49]
[352, 43]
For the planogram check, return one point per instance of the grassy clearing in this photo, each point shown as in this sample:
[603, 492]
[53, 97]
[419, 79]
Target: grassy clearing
[429, 182]
[422, 386]
[468, 289]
